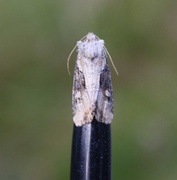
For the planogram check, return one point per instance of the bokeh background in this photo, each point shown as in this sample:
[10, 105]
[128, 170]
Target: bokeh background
[36, 38]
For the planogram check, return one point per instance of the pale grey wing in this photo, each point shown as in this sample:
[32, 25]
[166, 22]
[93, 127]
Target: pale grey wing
[82, 109]
[105, 106]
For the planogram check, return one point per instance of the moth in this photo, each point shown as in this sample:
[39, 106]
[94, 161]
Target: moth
[92, 94]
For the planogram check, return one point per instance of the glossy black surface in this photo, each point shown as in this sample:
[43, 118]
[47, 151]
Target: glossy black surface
[91, 152]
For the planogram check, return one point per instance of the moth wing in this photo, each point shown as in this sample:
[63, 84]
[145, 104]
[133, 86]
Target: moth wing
[83, 112]
[104, 110]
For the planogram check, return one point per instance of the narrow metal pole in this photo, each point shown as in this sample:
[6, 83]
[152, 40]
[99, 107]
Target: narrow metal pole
[91, 152]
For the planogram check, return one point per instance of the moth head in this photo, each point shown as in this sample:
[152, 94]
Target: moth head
[91, 37]
[91, 46]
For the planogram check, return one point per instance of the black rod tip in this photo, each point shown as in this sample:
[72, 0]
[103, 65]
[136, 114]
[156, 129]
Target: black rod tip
[91, 152]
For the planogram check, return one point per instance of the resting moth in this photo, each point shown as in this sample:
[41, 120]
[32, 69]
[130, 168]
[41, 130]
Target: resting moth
[92, 94]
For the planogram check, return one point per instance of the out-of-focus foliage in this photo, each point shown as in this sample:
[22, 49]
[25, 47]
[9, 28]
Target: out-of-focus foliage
[36, 38]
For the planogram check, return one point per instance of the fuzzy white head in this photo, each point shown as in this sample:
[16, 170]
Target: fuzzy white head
[91, 46]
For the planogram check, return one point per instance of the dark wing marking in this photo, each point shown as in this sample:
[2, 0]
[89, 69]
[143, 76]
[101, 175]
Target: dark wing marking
[104, 109]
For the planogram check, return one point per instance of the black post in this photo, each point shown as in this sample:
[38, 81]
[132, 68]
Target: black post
[91, 152]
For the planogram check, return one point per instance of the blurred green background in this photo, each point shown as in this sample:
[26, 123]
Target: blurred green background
[36, 38]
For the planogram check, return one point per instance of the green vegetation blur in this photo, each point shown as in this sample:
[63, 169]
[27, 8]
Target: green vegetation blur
[36, 124]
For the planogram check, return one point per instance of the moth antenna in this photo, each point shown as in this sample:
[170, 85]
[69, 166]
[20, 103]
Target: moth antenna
[97, 37]
[70, 56]
[69, 59]
[111, 61]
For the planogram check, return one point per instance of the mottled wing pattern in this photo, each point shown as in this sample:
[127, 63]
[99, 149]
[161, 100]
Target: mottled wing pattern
[104, 106]
[83, 112]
